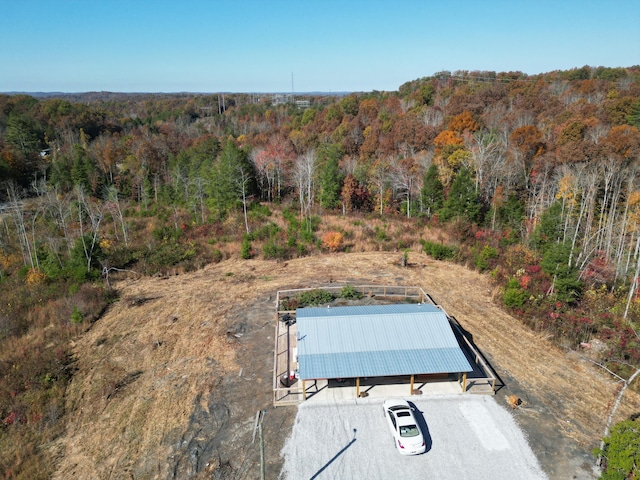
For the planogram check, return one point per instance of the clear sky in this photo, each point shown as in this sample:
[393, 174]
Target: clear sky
[325, 45]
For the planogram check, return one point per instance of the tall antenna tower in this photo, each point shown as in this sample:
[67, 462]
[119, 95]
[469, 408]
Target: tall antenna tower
[292, 90]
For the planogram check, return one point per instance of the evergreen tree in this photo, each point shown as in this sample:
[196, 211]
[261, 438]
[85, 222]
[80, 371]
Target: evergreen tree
[634, 117]
[622, 450]
[231, 173]
[331, 178]
[511, 213]
[60, 174]
[79, 169]
[549, 229]
[462, 201]
[432, 193]
[555, 263]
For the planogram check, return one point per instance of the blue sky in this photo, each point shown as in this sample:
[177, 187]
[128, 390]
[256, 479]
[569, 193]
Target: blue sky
[256, 46]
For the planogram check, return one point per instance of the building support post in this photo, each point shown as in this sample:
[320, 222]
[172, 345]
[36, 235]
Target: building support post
[411, 386]
[464, 382]
[304, 390]
[357, 387]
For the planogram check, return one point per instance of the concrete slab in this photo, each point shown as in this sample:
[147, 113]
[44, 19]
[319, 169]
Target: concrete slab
[330, 392]
[468, 437]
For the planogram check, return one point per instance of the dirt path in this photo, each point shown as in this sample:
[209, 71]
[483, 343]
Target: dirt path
[170, 379]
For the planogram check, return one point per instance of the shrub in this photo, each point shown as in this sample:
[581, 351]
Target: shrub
[165, 233]
[381, 234]
[332, 240]
[76, 316]
[514, 296]
[517, 257]
[438, 251]
[258, 211]
[216, 256]
[170, 254]
[349, 292]
[307, 236]
[271, 250]
[314, 297]
[405, 258]
[245, 249]
[267, 231]
[51, 265]
[35, 276]
[481, 260]
[291, 216]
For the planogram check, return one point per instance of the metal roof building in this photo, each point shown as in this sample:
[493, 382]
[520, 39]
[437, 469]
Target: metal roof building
[376, 341]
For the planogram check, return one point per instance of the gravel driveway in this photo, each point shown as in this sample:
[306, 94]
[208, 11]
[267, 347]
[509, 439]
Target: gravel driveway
[467, 436]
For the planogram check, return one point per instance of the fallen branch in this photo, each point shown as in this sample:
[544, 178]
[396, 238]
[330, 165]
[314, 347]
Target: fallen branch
[600, 365]
[105, 273]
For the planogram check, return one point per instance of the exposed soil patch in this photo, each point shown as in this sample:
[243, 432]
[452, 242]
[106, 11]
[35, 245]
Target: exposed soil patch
[170, 379]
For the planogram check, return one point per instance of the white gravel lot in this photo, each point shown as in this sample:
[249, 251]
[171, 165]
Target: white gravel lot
[468, 437]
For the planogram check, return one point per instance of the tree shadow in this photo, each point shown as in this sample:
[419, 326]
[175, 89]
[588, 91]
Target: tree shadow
[324, 467]
[424, 428]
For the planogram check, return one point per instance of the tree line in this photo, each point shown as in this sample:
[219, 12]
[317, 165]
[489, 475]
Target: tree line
[531, 178]
[552, 158]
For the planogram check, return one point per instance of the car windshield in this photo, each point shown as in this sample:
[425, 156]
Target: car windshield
[409, 431]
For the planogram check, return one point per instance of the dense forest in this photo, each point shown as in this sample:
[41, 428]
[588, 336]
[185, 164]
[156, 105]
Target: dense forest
[532, 179]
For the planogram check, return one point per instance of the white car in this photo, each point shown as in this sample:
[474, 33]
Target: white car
[406, 433]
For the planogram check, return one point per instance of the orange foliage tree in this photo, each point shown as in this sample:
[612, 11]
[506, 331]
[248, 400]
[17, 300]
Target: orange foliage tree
[332, 240]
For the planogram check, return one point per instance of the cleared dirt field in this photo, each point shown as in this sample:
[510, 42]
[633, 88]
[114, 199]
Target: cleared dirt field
[169, 381]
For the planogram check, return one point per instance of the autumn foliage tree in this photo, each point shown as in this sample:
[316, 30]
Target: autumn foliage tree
[332, 241]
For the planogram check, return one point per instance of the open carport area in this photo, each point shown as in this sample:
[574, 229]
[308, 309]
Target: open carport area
[391, 335]
[467, 437]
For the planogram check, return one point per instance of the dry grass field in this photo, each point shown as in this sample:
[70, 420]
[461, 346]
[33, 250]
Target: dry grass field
[169, 380]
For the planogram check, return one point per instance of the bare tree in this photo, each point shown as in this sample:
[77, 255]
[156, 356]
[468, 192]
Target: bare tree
[198, 188]
[433, 117]
[379, 176]
[304, 174]
[113, 204]
[89, 213]
[634, 282]
[488, 158]
[404, 174]
[242, 180]
[17, 209]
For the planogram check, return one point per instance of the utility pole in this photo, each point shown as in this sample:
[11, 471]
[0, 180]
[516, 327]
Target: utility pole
[262, 465]
[259, 418]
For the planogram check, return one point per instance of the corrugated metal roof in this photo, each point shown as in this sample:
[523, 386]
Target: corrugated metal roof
[380, 340]
[366, 310]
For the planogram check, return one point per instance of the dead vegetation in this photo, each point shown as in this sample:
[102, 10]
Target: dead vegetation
[169, 380]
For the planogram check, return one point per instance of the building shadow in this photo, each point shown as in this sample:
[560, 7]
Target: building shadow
[344, 449]
[478, 372]
[424, 428]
